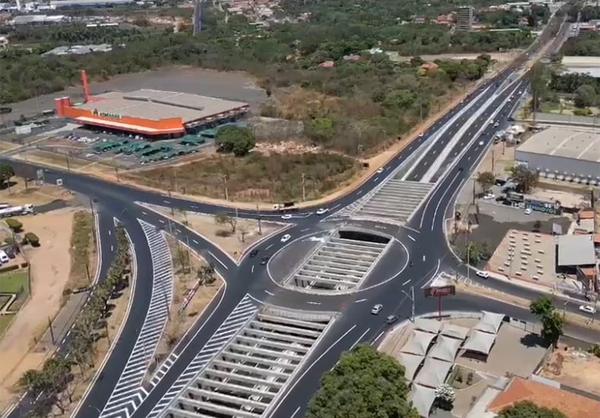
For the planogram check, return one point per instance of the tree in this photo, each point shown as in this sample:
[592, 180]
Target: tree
[34, 382]
[539, 81]
[223, 218]
[206, 274]
[445, 396]
[537, 225]
[585, 96]
[525, 178]
[14, 224]
[486, 180]
[552, 320]
[364, 383]
[6, 172]
[319, 130]
[472, 253]
[527, 409]
[238, 140]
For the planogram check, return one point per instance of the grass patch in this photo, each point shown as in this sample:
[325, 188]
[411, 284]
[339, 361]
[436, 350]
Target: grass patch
[14, 282]
[5, 321]
[82, 242]
[256, 177]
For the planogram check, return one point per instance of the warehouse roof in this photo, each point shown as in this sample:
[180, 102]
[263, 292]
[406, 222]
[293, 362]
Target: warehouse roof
[576, 250]
[563, 142]
[158, 104]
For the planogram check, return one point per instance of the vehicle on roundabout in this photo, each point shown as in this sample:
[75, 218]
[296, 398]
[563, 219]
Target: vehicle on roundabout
[286, 238]
[253, 253]
[588, 309]
[286, 216]
[391, 319]
[482, 274]
[264, 260]
[322, 211]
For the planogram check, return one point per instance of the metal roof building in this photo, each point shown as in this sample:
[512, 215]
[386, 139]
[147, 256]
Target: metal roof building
[154, 113]
[563, 154]
[576, 250]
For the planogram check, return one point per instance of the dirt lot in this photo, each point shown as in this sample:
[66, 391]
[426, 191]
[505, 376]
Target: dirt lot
[220, 234]
[574, 368]
[18, 194]
[50, 265]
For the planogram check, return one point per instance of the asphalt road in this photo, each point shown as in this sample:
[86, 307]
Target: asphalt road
[456, 143]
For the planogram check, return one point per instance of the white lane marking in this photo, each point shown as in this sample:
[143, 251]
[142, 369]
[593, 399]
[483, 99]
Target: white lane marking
[144, 213]
[252, 269]
[223, 264]
[406, 282]
[304, 230]
[378, 337]
[161, 221]
[111, 248]
[335, 207]
[360, 300]
[423, 258]
[359, 192]
[269, 293]
[295, 412]
[269, 247]
[109, 232]
[376, 178]
[195, 242]
[442, 198]
[412, 238]
[360, 338]
[179, 230]
[310, 302]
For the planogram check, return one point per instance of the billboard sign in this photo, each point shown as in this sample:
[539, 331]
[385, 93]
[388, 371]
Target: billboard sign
[439, 291]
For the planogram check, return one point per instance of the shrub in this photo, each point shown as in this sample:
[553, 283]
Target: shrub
[582, 112]
[9, 240]
[14, 224]
[32, 239]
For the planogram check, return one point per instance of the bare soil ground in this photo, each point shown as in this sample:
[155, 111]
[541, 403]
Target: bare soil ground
[49, 272]
[18, 194]
[184, 279]
[574, 368]
[221, 235]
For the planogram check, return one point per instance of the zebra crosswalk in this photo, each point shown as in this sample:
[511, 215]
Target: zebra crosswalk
[240, 315]
[128, 392]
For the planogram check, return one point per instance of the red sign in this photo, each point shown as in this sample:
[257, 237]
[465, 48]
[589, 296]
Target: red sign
[431, 292]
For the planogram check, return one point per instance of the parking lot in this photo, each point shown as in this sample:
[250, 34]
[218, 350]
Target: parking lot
[525, 255]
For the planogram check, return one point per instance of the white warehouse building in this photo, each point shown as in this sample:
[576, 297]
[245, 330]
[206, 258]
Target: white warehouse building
[563, 154]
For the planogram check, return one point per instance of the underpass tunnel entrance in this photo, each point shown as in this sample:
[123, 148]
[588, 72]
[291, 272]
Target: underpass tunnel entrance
[363, 236]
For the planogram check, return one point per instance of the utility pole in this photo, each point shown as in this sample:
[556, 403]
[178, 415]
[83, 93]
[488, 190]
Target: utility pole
[117, 173]
[259, 224]
[225, 186]
[493, 157]
[303, 188]
[412, 300]
[51, 331]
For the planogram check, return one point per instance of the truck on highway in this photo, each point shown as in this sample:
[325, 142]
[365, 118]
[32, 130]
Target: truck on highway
[285, 207]
[16, 210]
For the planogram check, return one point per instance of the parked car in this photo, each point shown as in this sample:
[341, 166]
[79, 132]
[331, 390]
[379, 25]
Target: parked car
[376, 309]
[3, 257]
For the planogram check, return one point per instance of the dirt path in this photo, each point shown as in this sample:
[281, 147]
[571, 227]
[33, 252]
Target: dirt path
[50, 265]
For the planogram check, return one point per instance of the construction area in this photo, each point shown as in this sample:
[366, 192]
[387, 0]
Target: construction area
[340, 263]
[251, 371]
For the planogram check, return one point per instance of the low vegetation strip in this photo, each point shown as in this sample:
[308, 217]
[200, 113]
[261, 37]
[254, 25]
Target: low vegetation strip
[15, 282]
[82, 248]
[256, 177]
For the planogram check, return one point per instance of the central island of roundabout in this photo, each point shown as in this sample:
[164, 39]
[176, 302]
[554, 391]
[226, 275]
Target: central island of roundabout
[343, 260]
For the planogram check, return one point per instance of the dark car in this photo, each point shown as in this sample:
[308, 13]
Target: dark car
[264, 260]
[253, 253]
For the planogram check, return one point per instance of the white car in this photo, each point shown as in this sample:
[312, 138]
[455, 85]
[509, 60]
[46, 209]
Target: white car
[421, 134]
[483, 274]
[322, 211]
[286, 238]
[492, 122]
[380, 170]
[528, 211]
[286, 216]
[489, 196]
[587, 309]
[480, 142]
[376, 309]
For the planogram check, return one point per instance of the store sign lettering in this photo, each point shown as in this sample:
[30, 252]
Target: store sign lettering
[107, 115]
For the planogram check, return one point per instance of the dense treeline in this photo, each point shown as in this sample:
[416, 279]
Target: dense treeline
[72, 34]
[587, 44]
